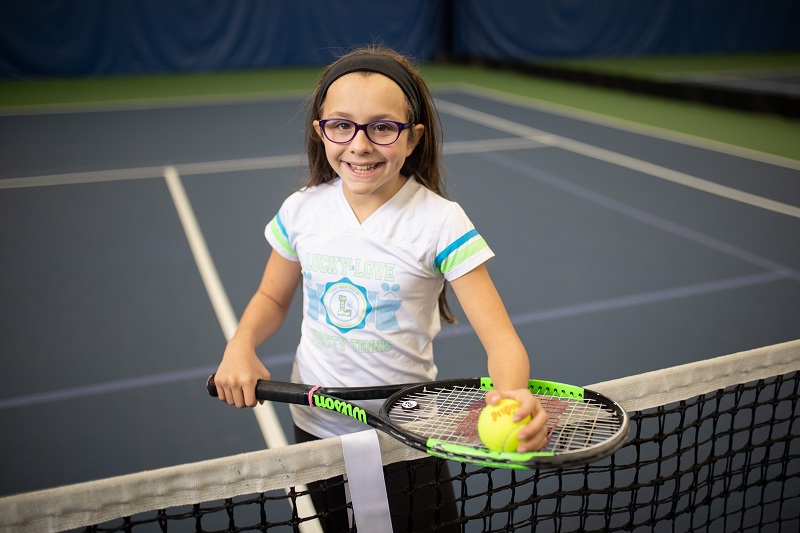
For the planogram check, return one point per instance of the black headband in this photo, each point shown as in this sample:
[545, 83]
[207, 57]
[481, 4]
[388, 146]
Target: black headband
[378, 64]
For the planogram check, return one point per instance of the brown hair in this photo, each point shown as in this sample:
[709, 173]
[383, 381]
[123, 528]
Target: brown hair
[424, 163]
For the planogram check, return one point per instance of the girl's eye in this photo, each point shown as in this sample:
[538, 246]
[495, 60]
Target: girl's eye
[383, 127]
[341, 126]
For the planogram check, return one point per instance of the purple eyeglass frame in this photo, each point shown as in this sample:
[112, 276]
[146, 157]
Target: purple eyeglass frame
[359, 127]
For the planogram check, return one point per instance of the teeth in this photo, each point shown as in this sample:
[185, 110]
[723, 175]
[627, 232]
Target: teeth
[364, 168]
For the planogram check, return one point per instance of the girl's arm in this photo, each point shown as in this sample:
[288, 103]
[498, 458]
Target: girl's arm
[240, 367]
[508, 362]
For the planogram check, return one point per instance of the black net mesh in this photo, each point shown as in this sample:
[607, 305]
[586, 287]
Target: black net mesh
[724, 461]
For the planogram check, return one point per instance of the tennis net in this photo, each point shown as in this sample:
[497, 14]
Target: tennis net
[713, 447]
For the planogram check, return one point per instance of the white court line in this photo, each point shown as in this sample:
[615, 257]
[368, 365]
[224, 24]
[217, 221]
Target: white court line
[234, 165]
[638, 128]
[616, 158]
[205, 264]
[139, 173]
[265, 414]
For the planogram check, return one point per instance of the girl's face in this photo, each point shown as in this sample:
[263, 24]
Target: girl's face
[370, 172]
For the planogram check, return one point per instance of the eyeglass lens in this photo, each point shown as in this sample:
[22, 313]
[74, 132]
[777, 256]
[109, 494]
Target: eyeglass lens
[343, 131]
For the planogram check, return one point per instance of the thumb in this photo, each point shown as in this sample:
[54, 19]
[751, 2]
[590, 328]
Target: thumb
[492, 397]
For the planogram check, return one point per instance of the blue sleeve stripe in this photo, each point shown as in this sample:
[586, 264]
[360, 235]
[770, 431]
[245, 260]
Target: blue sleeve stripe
[453, 247]
[277, 231]
[280, 225]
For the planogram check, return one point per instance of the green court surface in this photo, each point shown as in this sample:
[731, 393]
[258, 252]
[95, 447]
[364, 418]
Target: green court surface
[667, 67]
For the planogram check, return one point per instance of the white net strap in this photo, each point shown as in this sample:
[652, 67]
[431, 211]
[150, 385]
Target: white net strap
[362, 459]
[100, 501]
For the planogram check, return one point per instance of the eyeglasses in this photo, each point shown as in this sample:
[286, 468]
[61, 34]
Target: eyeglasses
[382, 132]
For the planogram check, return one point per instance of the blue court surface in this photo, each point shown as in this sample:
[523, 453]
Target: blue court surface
[619, 250]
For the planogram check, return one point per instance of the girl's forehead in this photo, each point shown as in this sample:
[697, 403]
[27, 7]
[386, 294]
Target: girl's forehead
[361, 91]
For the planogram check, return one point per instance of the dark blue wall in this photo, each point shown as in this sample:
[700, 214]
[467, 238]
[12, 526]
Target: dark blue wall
[100, 37]
[83, 37]
[525, 30]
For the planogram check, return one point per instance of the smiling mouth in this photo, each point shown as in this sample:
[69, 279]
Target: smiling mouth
[363, 169]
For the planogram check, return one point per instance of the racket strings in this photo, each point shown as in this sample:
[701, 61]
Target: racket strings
[577, 424]
[446, 414]
[451, 415]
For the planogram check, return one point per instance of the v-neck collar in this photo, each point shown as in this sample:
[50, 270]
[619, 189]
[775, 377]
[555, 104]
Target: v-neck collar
[391, 205]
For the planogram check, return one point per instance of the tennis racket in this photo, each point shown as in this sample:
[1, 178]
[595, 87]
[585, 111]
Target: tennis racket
[441, 418]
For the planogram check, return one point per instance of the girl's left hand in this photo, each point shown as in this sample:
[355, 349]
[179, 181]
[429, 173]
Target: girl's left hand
[533, 436]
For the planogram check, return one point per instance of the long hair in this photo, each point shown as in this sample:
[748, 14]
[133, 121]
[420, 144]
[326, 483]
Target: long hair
[424, 163]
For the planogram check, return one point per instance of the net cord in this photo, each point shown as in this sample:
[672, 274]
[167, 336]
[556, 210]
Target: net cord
[661, 387]
[99, 501]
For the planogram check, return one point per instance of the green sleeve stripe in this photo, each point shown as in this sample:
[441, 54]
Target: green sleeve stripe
[455, 245]
[462, 254]
[279, 233]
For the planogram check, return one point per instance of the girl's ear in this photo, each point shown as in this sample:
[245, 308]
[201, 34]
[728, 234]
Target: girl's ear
[316, 128]
[415, 135]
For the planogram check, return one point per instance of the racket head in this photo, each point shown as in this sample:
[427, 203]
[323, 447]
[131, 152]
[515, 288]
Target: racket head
[441, 418]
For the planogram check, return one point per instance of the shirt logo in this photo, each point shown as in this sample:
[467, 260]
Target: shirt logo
[346, 305]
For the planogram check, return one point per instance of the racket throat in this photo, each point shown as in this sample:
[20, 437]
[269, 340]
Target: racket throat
[340, 406]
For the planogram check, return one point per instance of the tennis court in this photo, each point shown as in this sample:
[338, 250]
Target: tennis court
[621, 249]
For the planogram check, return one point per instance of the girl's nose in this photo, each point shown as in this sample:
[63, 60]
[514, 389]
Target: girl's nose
[361, 144]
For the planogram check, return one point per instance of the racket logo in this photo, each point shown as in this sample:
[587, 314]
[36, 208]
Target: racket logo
[348, 409]
[409, 405]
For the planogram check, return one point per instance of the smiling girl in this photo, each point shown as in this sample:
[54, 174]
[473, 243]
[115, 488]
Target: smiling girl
[372, 240]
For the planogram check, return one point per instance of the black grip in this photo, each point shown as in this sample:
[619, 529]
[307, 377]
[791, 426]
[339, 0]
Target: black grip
[274, 391]
[281, 391]
[211, 387]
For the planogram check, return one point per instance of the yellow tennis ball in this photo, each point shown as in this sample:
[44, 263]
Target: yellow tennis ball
[496, 426]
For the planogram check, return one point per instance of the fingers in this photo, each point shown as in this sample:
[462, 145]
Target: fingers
[533, 436]
[248, 395]
[492, 397]
[238, 390]
[234, 392]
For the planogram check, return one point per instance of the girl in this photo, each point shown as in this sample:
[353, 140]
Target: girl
[373, 240]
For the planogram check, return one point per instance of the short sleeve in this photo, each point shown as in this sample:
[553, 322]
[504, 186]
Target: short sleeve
[460, 248]
[277, 234]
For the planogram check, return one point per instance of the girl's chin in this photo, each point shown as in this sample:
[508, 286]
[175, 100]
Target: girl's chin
[362, 186]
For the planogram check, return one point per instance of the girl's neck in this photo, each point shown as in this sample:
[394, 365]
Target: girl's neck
[365, 205]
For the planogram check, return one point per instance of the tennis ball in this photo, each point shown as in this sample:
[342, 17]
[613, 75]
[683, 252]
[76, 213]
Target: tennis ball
[496, 426]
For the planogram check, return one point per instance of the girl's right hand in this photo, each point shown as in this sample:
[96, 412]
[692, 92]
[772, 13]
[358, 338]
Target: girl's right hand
[237, 375]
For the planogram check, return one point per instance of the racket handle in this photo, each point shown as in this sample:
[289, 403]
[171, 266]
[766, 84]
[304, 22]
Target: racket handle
[274, 391]
[281, 391]
[211, 387]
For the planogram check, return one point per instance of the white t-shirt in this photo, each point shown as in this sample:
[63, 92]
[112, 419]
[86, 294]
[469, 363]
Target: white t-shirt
[370, 290]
